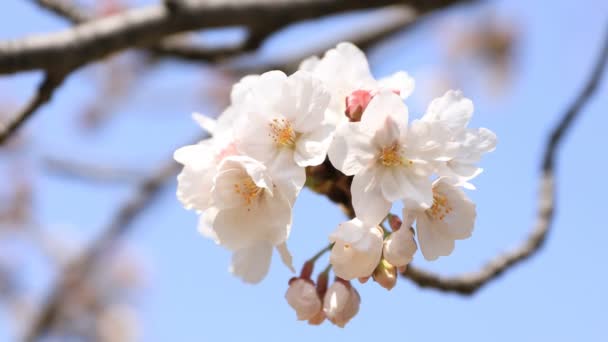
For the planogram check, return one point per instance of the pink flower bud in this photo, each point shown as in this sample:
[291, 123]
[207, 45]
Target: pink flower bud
[356, 103]
[341, 303]
[302, 297]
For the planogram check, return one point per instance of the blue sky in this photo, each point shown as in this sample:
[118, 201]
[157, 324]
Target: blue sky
[559, 295]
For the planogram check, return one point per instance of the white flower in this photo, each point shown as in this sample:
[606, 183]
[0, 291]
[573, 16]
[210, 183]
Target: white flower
[345, 71]
[450, 218]
[357, 249]
[399, 247]
[303, 298]
[250, 216]
[387, 158]
[341, 303]
[448, 117]
[284, 127]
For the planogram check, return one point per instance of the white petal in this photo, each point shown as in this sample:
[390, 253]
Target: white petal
[205, 224]
[401, 183]
[206, 123]
[311, 148]
[399, 247]
[452, 109]
[433, 243]
[198, 156]
[287, 176]
[286, 257]
[251, 264]
[194, 187]
[368, 201]
[381, 106]
[399, 81]
[351, 149]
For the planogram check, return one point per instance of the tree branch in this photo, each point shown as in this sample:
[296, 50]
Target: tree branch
[86, 263]
[51, 82]
[468, 284]
[141, 27]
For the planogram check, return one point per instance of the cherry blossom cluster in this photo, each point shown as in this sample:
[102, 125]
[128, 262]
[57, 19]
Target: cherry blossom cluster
[245, 178]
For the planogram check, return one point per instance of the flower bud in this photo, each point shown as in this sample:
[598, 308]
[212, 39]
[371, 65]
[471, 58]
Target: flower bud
[317, 319]
[357, 249]
[385, 275]
[399, 247]
[341, 303]
[356, 103]
[302, 297]
[394, 222]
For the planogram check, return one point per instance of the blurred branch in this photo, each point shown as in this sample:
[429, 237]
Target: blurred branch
[83, 265]
[52, 81]
[167, 47]
[90, 172]
[468, 284]
[147, 25]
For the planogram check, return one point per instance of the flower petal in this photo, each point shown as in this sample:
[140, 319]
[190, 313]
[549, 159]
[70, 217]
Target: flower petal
[368, 201]
[350, 150]
[252, 263]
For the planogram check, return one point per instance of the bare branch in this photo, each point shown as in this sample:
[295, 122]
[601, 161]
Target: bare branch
[468, 284]
[90, 172]
[141, 27]
[51, 82]
[86, 263]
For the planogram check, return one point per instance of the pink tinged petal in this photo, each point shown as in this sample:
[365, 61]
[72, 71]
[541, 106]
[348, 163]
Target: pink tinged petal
[304, 102]
[452, 109]
[205, 224]
[311, 148]
[400, 83]
[229, 187]
[252, 263]
[287, 176]
[401, 183]
[241, 89]
[268, 88]
[461, 219]
[369, 203]
[303, 298]
[351, 150]
[399, 247]
[383, 105]
[194, 187]
[286, 257]
[433, 243]
[357, 249]
[309, 64]
[208, 124]
[199, 156]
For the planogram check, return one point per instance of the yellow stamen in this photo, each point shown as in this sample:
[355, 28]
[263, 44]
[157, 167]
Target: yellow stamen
[441, 207]
[282, 133]
[391, 156]
[248, 190]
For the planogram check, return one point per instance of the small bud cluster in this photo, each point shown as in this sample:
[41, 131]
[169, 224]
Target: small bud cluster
[245, 179]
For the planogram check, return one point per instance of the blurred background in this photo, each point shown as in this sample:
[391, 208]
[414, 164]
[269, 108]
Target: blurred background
[115, 123]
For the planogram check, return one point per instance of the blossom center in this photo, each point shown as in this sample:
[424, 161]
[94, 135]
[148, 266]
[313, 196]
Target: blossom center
[248, 190]
[282, 133]
[391, 156]
[441, 207]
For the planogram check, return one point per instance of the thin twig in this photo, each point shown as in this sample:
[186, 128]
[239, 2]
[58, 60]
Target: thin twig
[86, 263]
[47, 87]
[468, 284]
[90, 172]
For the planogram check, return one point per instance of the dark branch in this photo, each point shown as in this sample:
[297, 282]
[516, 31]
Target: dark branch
[142, 27]
[44, 94]
[469, 283]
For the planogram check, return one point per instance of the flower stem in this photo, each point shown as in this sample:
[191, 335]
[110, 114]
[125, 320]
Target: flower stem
[320, 253]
